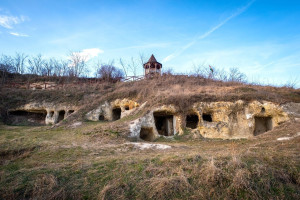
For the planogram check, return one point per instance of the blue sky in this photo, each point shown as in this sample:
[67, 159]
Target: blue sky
[261, 38]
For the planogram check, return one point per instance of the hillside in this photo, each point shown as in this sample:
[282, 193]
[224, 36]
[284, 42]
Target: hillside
[224, 140]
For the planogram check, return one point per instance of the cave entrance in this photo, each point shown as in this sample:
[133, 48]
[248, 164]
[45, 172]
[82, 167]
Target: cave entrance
[164, 123]
[147, 134]
[262, 125]
[70, 112]
[23, 117]
[116, 112]
[207, 117]
[61, 115]
[192, 121]
[126, 107]
[101, 118]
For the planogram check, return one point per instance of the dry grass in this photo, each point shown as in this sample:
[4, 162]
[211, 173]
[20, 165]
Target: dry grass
[93, 162]
[178, 90]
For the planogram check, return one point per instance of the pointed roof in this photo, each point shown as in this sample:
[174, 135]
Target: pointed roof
[152, 59]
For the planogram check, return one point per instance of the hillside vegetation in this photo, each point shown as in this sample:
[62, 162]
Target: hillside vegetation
[179, 90]
[96, 160]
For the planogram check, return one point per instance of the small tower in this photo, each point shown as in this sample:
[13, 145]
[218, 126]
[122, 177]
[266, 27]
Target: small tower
[152, 67]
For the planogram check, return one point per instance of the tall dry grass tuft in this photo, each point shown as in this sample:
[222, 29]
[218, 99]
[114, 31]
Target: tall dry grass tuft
[166, 188]
[113, 191]
[211, 174]
[46, 187]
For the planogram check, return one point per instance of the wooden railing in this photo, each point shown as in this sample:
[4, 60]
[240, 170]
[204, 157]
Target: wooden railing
[132, 78]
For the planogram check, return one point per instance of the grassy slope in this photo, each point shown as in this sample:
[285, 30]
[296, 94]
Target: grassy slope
[93, 162]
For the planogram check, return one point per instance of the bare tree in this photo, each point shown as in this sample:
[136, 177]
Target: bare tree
[124, 66]
[6, 66]
[130, 66]
[77, 64]
[236, 76]
[49, 66]
[109, 72]
[19, 62]
[36, 64]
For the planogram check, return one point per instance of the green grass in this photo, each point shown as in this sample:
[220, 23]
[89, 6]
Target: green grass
[92, 162]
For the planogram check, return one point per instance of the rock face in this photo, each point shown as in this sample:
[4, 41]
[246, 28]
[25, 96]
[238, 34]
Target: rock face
[112, 111]
[40, 113]
[160, 121]
[226, 120]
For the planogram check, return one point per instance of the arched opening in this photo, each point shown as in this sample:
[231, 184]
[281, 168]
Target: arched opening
[101, 118]
[262, 125]
[146, 133]
[164, 123]
[192, 121]
[126, 107]
[263, 110]
[207, 117]
[23, 117]
[61, 115]
[116, 113]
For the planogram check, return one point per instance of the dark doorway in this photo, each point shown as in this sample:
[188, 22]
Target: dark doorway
[126, 107]
[147, 134]
[262, 125]
[206, 117]
[116, 113]
[70, 112]
[192, 121]
[164, 123]
[101, 118]
[22, 117]
[61, 115]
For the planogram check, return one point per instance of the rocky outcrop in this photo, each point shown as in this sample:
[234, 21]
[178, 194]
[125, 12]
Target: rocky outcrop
[226, 120]
[112, 111]
[40, 113]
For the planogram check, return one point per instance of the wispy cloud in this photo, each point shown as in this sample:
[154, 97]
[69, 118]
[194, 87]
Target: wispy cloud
[18, 34]
[9, 21]
[200, 37]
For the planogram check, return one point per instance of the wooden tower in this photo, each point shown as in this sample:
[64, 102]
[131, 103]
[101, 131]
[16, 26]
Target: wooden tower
[152, 67]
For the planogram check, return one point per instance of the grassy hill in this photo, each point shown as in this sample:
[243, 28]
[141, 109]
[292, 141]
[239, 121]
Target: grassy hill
[97, 161]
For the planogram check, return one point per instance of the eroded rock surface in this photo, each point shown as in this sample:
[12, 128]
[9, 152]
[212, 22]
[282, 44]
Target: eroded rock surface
[226, 120]
[112, 111]
[40, 113]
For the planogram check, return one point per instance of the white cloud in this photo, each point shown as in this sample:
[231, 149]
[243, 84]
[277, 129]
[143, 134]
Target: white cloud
[90, 53]
[9, 21]
[18, 34]
[200, 37]
[84, 55]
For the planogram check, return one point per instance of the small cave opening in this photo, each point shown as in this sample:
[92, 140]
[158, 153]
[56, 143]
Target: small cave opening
[262, 125]
[192, 121]
[146, 133]
[70, 112]
[51, 113]
[116, 113]
[263, 110]
[61, 115]
[207, 117]
[164, 123]
[23, 117]
[101, 118]
[126, 107]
